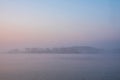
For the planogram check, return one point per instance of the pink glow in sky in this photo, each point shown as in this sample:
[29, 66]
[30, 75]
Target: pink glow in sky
[50, 23]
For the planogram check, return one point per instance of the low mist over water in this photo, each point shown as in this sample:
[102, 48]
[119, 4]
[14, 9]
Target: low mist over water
[59, 39]
[59, 67]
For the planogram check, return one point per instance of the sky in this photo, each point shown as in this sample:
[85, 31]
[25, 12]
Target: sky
[51, 23]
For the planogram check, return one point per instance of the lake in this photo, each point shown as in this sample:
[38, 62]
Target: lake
[59, 66]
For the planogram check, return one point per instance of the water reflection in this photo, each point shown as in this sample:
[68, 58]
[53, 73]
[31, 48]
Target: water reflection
[59, 67]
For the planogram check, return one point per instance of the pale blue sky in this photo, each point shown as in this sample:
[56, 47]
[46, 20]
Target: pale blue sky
[60, 22]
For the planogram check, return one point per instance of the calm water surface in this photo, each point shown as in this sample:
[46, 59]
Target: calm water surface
[59, 66]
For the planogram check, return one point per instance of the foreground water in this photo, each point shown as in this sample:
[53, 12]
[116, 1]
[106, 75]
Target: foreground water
[59, 67]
